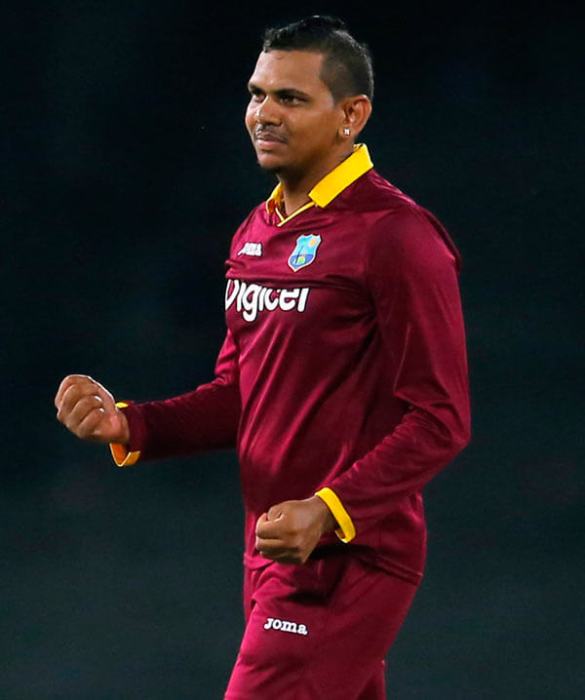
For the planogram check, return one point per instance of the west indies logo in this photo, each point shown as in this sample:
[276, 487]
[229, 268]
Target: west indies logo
[305, 251]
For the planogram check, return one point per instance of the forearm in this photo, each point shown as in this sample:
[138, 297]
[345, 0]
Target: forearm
[401, 464]
[204, 419]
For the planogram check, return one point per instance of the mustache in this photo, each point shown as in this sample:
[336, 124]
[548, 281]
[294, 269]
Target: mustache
[268, 132]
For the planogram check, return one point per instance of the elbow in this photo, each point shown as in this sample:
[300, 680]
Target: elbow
[461, 435]
[451, 428]
[452, 433]
[455, 430]
[462, 441]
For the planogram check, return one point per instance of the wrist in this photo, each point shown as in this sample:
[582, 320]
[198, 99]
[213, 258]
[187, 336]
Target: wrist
[326, 519]
[124, 437]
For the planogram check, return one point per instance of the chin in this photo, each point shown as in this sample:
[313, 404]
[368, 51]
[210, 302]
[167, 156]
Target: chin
[269, 163]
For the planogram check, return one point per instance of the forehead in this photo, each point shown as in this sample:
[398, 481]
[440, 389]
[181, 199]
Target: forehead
[275, 70]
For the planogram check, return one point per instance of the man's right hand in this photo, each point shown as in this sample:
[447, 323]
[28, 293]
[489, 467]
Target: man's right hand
[89, 411]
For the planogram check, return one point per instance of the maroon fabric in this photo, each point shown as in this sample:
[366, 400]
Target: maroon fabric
[349, 371]
[350, 613]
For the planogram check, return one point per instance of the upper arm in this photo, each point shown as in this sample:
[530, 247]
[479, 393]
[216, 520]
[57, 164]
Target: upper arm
[412, 276]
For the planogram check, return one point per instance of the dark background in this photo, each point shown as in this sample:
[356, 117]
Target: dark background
[125, 170]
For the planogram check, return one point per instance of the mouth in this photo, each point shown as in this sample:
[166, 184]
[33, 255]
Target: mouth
[266, 138]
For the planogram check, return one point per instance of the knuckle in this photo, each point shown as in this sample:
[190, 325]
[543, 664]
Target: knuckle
[94, 417]
[85, 432]
[80, 403]
[70, 381]
[66, 380]
[71, 393]
[89, 401]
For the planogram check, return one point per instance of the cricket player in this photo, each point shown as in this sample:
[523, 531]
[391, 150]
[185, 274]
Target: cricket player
[342, 381]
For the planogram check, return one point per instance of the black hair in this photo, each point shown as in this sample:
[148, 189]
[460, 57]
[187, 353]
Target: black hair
[347, 65]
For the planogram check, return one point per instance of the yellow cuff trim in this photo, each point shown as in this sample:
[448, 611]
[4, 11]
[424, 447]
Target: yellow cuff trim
[346, 531]
[122, 457]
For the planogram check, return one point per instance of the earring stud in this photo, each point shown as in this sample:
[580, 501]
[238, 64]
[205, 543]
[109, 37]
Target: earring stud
[346, 131]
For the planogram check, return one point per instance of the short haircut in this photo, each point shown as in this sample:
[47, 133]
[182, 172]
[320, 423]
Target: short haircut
[347, 64]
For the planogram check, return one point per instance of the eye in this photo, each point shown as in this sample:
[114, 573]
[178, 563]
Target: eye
[290, 99]
[256, 94]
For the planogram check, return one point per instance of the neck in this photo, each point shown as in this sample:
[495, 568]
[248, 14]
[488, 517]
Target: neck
[296, 186]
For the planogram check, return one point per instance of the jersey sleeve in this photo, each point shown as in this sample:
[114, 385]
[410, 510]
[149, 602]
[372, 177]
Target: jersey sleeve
[202, 419]
[412, 274]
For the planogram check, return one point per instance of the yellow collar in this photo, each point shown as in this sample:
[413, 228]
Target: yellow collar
[333, 184]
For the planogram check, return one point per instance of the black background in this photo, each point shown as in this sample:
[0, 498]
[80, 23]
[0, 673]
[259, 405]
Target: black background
[125, 171]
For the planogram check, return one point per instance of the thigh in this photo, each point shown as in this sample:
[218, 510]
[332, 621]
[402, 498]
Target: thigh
[319, 630]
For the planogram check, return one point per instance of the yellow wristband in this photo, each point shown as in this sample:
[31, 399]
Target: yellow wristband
[346, 531]
[120, 453]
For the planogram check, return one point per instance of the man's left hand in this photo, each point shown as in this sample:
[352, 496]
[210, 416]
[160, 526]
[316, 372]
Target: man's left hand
[290, 531]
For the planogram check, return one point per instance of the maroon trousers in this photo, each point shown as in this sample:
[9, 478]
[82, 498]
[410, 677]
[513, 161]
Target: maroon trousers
[320, 630]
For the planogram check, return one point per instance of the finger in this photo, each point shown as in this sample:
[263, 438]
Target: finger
[68, 381]
[286, 558]
[261, 520]
[270, 544]
[275, 512]
[80, 410]
[83, 381]
[269, 529]
[89, 426]
[274, 553]
[71, 395]
[107, 398]
[68, 400]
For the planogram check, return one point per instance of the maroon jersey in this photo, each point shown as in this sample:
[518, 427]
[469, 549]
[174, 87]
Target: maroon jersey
[344, 368]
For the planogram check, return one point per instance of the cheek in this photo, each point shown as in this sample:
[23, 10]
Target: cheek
[250, 117]
[317, 130]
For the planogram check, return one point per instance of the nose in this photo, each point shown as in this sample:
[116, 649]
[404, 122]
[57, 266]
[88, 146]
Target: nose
[266, 112]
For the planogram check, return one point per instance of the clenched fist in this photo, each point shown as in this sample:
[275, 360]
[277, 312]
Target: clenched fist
[290, 531]
[88, 410]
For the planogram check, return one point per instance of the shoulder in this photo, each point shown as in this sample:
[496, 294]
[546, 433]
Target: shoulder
[248, 223]
[373, 194]
[257, 211]
[398, 225]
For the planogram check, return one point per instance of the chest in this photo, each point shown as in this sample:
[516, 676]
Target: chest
[299, 276]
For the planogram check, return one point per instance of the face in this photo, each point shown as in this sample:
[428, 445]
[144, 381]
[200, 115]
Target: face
[292, 118]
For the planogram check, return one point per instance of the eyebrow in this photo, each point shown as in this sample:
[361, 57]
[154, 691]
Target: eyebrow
[281, 91]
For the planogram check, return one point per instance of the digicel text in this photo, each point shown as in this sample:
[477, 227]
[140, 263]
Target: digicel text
[252, 298]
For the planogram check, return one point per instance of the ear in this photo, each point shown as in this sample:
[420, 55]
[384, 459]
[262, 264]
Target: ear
[356, 112]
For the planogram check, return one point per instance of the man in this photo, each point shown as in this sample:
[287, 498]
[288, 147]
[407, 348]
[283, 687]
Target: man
[342, 382]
